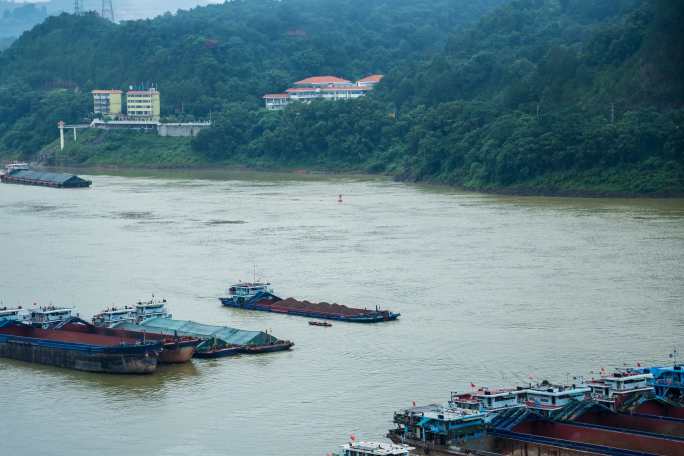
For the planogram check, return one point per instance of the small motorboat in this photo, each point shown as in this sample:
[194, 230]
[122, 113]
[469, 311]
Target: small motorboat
[320, 323]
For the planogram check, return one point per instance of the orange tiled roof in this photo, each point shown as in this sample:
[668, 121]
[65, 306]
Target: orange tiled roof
[323, 80]
[372, 78]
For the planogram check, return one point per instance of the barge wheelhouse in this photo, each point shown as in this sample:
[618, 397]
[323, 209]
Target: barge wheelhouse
[111, 316]
[15, 314]
[620, 388]
[148, 310]
[49, 316]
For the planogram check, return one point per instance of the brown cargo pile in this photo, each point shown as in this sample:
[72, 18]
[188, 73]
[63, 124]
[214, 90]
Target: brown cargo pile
[323, 307]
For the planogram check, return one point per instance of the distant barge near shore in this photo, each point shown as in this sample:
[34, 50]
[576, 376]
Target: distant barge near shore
[19, 173]
[77, 350]
[259, 296]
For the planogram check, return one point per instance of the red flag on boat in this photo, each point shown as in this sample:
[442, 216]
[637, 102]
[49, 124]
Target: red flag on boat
[414, 403]
[530, 376]
[352, 437]
[473, 385]
[638, 364]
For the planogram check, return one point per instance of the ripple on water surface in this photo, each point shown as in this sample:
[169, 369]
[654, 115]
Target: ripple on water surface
[492, 290]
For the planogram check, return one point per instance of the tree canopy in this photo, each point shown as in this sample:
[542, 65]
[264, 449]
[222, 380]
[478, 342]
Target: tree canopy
[527, 95]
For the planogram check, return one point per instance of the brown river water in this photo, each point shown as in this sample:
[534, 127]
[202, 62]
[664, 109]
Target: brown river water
[491, 289]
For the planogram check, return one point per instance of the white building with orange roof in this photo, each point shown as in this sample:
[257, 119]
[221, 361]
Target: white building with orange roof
[321, 87]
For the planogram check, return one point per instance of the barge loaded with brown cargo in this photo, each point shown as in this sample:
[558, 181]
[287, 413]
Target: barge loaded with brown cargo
[175, 349]
[259, 296]
[78, 350]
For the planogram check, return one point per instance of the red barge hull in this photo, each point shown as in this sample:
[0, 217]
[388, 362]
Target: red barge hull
[175, 349]
[76, 350]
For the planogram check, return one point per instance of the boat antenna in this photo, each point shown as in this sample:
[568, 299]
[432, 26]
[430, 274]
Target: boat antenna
[674, 354]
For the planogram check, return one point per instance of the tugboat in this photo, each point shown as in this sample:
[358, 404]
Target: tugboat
[147, 310]
[259, 296]
[15, 314]
[49, 316]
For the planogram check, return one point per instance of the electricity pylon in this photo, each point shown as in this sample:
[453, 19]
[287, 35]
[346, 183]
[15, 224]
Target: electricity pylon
[107, 10]
[78, 7]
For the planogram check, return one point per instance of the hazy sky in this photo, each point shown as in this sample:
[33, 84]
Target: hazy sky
[132, 9]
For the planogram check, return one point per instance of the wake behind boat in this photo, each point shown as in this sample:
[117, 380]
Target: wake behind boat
[259, 296]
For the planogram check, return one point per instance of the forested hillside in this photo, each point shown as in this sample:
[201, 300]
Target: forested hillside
[207, 57]
[569, 97]
[549, 96]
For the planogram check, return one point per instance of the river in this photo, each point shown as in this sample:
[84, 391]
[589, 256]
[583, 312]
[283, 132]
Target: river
[492, 289]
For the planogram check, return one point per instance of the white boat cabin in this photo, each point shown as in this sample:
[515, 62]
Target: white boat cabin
[16, 166]
[375, 449]
[147, 310]
[248, 289]
[620, 385]
[15, 314]
[489, 399]
[47, 316]
[546, 397]
[110, 317]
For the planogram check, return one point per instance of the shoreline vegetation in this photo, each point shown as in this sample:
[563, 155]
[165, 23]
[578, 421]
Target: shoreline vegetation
[140, 153]
[538, 97]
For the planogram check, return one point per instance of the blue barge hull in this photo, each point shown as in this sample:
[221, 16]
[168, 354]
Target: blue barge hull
[72, 350]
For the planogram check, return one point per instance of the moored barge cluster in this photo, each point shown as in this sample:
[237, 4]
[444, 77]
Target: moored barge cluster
[124, 340]
[629, 412]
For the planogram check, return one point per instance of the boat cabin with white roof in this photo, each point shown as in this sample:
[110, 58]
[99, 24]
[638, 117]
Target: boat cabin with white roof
[15, 314]
[375, 449]
[111, 316]
[47, 316]
[615, 388]
[155, 308]
[249, 289]
[489, 399]
[546, 397]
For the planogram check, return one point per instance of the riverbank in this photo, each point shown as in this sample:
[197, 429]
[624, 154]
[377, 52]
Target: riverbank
[131, 151]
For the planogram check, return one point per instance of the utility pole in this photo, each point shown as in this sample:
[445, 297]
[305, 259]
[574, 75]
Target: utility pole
[107, 10]
[61, 134]
[78, 7]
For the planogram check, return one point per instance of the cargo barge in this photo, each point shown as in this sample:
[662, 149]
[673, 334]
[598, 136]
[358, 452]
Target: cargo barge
[217, 341]
[19, 173]
[175, 349]
[618, 415]
[77, 350]
[259, 296]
